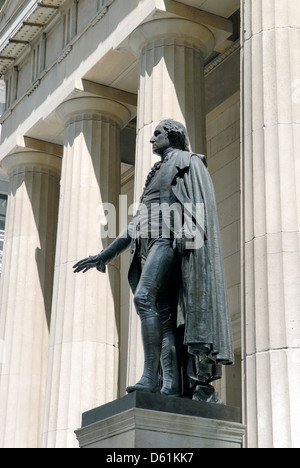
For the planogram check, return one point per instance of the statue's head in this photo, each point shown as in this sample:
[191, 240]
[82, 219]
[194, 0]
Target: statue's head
[177, 133]
[170, 134]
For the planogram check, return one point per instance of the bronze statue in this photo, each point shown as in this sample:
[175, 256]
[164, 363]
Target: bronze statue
[176, 272]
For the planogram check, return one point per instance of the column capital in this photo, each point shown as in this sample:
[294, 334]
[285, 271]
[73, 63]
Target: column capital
[91, 105]
[31, 161]
[170, 30]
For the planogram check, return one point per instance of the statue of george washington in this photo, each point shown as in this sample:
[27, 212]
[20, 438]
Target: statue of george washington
[176, 272]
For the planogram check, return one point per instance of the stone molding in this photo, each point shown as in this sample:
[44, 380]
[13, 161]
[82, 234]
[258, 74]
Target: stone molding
[176, 29]
[24, 161]
[222, 57]
[80, 106]
[139, 428]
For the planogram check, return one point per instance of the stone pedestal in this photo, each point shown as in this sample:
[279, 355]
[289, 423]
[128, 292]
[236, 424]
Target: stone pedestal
[142, 420]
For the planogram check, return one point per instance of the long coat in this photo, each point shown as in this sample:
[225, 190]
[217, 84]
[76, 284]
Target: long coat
[203, 304]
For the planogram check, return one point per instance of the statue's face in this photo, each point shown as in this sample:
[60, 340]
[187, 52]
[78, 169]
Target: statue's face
[160, 140]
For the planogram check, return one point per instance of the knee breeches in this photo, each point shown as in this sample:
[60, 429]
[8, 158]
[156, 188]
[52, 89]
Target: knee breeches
[157, 291]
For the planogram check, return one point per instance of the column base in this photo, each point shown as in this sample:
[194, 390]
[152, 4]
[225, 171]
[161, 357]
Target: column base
[143, 420]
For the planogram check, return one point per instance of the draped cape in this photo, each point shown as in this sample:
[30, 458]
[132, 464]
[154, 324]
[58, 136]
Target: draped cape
[203, 303]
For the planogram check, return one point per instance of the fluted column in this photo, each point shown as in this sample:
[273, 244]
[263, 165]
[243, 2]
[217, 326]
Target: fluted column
[172, 53]
[26, 294]
[271, 221]
[84, 348]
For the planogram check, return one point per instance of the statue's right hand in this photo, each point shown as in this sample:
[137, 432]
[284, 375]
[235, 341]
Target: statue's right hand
[90, 262]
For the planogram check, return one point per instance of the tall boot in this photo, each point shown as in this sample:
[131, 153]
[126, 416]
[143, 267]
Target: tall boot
[170, 366]
[152, 343]
[170, 358]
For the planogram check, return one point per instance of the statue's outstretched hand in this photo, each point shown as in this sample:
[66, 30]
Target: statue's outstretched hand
[90, 262]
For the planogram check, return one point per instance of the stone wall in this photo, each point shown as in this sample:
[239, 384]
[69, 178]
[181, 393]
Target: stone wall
[223, 148]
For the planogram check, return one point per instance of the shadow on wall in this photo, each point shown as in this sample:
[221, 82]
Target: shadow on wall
[37, 188]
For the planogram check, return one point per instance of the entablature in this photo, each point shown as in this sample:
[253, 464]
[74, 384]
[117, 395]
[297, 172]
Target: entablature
[95, 51]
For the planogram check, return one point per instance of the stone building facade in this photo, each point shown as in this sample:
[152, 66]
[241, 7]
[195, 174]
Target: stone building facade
[86, 82]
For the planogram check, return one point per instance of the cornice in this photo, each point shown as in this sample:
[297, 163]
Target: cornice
[217, 61]
[23, 27]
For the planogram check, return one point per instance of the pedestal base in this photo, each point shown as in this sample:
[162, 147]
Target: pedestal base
[142, 420]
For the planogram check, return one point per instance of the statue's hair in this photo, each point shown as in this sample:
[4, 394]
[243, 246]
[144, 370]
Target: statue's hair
[177, 133]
